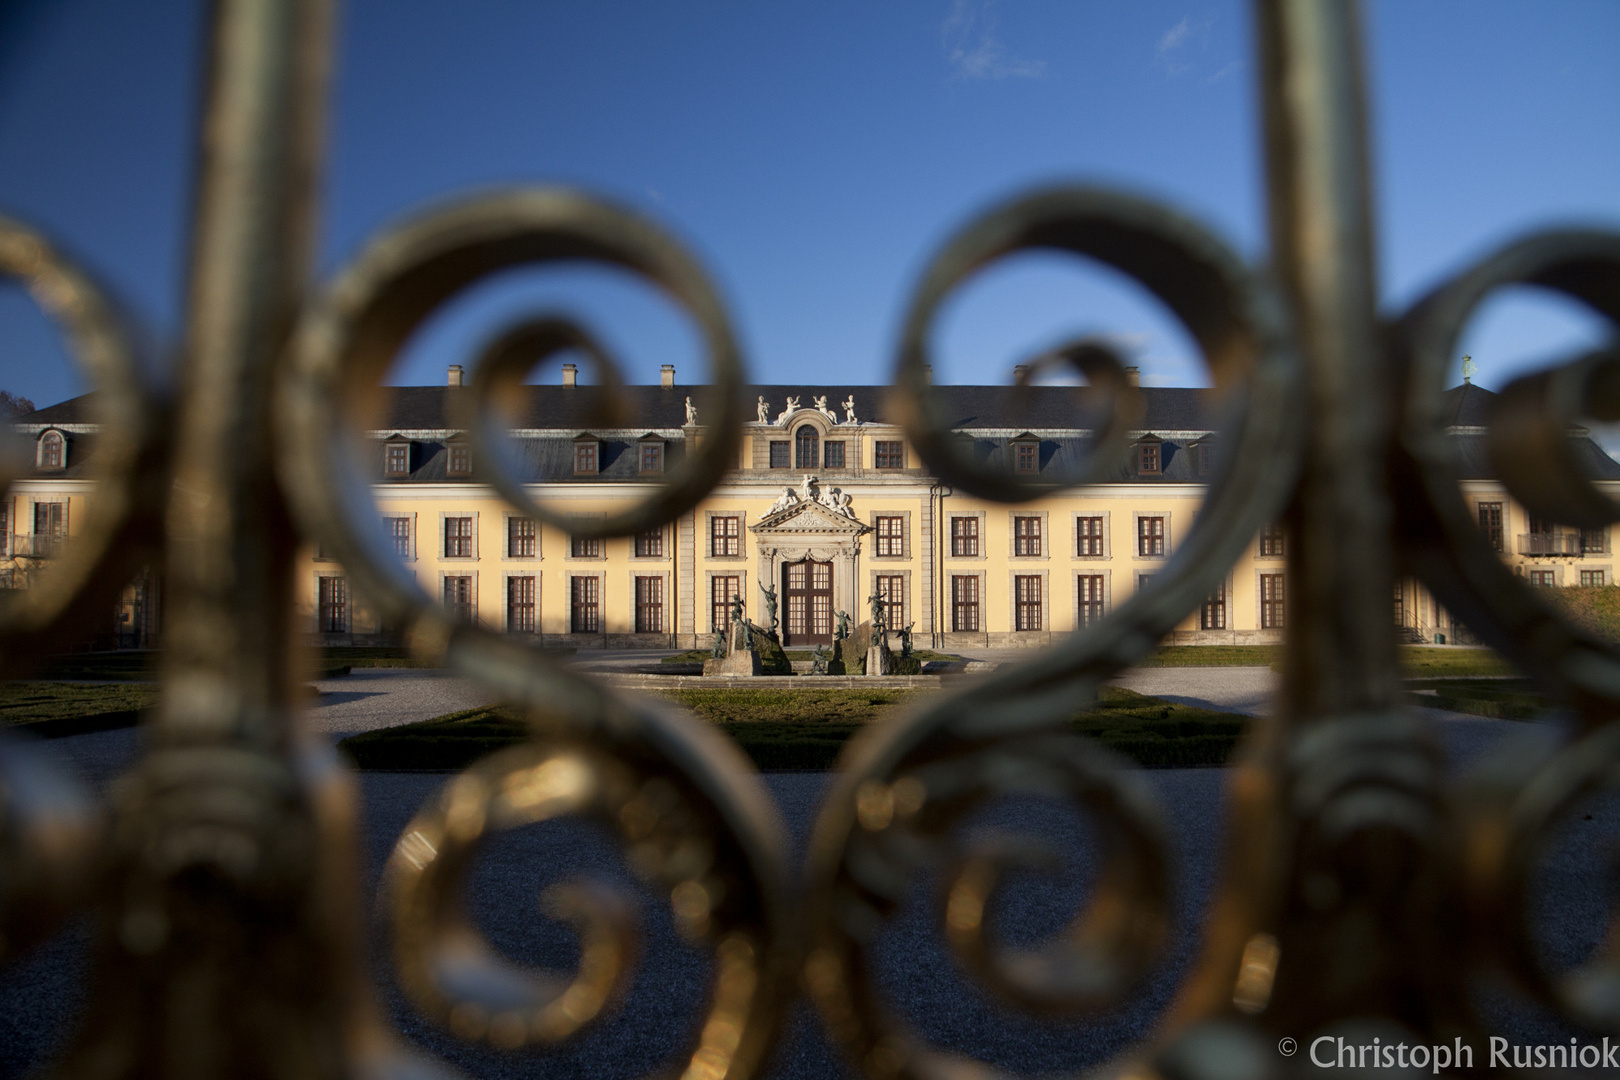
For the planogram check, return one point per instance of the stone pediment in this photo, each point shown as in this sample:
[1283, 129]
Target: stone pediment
[809, 517]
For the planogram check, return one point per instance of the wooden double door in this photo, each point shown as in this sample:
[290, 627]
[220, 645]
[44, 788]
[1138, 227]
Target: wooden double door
[807, 593]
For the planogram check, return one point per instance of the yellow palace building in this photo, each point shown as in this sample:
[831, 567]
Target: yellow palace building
[828, 505]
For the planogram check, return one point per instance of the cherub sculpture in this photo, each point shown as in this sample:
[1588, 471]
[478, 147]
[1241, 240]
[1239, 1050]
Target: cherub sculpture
[792, 407]
[764, 412]
[785, 500]
[849, 410]
[821, 407]
[691, 412]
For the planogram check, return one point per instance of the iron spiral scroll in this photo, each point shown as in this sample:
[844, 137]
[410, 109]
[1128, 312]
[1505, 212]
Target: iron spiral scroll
[1362, 885]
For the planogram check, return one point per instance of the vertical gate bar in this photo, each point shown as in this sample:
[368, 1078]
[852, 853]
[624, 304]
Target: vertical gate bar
[1340, 655]
[231, 943]
[227, 654]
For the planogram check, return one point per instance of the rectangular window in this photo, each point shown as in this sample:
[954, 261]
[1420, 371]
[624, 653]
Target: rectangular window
[650, 544]
[585, 457]
[725, 536]
[965, 603]
[585, 547]
[520, 537]
[892, 588]
[5, 527]
[50, 529]
[722, 587]
[1212, 616]
[832, 455]
[1026, 536]
[1091, 599]
[1088, 537]
[1147, 458]
[1490, 523]
[460, 460]
[399, 530]
[1150, 536]
[458, 537]
[1272, 600]
[397, 459]
[889, 455]
[1203, 460]
[520, 605]
[1273, 542]
[585, 605]
[1027, 602]
[1540, 526]
[458, 598]
[649, 605]
[781, 454]
[1027, 457]
[965, 537]
[1545, 579]
[891, 539]
[652, 457]
[1594, 541]
[1591, 577]
[334, 605]
[1142, 581]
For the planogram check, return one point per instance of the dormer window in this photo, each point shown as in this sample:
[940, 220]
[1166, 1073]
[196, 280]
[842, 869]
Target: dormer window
[1026, 455]
[1203, 456]
[652, 455]
[586, 456]
[397, 457]
[52, 450]
[1148, 459]
[459, 459]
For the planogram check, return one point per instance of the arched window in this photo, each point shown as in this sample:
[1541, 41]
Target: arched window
[806, 444]
[51, 449]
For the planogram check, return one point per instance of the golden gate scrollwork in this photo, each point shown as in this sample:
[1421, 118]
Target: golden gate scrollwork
[1361, 884]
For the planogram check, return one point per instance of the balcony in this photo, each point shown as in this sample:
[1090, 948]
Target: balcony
[25, 546]
[1567, 544]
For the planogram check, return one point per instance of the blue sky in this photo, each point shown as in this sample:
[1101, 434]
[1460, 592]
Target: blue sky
[814, 155]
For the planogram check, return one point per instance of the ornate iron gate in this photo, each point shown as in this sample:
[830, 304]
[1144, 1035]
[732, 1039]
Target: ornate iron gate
[1360, 885]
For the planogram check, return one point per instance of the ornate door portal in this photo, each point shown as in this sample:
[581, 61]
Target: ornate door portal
[807, 586]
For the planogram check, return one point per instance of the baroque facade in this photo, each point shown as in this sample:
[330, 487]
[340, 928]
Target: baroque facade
[828, 506]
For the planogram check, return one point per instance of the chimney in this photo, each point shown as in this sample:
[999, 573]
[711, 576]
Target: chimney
[666, 376]
[1020, 374]
[570, 374]
[454, 375]
[1134, 374]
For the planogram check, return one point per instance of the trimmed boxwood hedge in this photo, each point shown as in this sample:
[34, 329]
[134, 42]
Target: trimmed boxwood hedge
[805, 730]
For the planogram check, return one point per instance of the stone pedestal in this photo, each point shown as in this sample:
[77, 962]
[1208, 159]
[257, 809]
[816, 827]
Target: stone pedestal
[877, 660]
[739, 662]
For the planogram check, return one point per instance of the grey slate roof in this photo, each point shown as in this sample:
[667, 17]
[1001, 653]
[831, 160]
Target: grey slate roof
[569, 411]
[578, 408]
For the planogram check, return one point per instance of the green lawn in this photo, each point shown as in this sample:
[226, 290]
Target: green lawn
[1504, 699]
[805, 729]
[51, 709]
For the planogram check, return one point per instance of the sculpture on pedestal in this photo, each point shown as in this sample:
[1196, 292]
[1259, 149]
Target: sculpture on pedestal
[770, 608]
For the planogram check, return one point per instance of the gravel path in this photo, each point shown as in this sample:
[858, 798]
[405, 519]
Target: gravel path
[40, 994]
[371, 698]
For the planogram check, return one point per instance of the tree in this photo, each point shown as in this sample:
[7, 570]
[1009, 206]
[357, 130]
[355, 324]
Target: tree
[14, 405]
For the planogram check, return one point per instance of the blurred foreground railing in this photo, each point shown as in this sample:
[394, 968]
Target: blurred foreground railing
[1361, 885]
